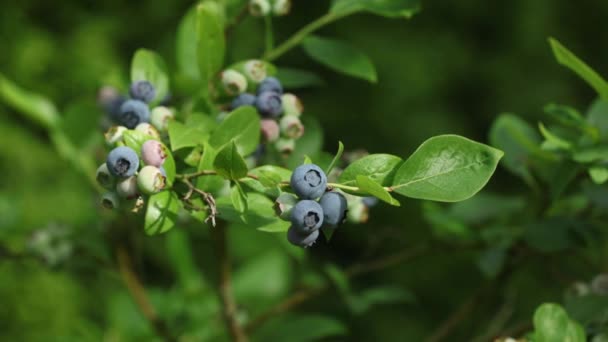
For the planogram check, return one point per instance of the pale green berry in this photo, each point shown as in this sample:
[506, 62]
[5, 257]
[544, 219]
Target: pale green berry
[150, 180]
[291, 105]
[285, 145]
[110, 200]
[233, 82]
[160, 118]
[148, 129]
[259, 8]
[127, 187]
[357, 211]
[281, 7]
[291, 127]
[255, 70]
[104, 177]
[114, 135]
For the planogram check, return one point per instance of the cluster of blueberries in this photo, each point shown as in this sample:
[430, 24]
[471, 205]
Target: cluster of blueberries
[308, 215]
[280, 113]
[127, 174]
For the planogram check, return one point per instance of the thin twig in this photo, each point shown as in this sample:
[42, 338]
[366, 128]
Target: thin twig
[207, 197]
[138, 292]
[353, 271]
[455, 318]
[229, 307]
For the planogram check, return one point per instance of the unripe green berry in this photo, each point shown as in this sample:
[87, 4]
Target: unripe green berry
[150, 180]
[127, 187]
[291, 127]
[281, 7]
[104, 177]
[233, 82]
[285, 145]
[148, 129]
[259, 8]
[110, 200]
[357, 211]
[114, 135]
[291, 105]
[255, 70]
[284, 204]
[160, 117]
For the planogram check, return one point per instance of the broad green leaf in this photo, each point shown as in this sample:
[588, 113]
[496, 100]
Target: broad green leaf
[269, 178]
[243, 126]
[598, 174]
[336, 157]
[229, 163]
[520, 142]
[591, 154]
[367, 185]
[34, 106]
[185, 51]
[195, 132]
[148, 66]
[208, 183]
[135, 139]
[553, 141]
[446, 168]
[210, 45]
[239, 198]
[597, 116]
[161, 213]
[340, 57]
[297, 78]
[566, 58]
[570, 117]
[380, 168]
[387, 8]
[260, 214]
[308, 327]
[551, 324]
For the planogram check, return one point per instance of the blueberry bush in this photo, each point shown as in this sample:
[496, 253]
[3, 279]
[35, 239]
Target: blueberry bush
[197, 187]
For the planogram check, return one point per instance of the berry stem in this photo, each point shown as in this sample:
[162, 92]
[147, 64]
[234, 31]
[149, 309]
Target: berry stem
[268, 34]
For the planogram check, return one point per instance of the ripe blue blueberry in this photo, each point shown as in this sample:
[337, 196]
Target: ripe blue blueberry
[122, 162]
[133, 112]
[301, 240]
[269, 104]
[308, 181]
[307, 216]
[334, 208]
[244, 99]
[143, 91]
[270, 84]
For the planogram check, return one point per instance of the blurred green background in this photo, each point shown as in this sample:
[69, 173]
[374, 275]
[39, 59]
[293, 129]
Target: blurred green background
[451, 69]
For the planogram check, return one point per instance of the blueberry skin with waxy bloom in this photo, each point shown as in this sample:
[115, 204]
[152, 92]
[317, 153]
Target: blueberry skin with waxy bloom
[143, 91]
[308, 181]
[133, 112]
[307, 216]
[122, 162]
[301, 240]
[244, 99]
[270, 84]
[269, 104]
[334, 206]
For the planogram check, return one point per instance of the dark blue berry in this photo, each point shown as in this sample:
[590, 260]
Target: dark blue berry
[307, 216]
[301, 240]
[122, 162]
[270, 84]
[308, 181]
[132, 113]
[143, 91]
[244, 99]
[269, 104]
[334, 208]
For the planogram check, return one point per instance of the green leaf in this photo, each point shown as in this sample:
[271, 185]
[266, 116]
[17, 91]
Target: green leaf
[387, 8]
[566, 58]
[161, 213]
[591, 154]
[551, 323]
[340, 57]
[135, 139]
[308, 327]
[446, 168]
[553, 141]
[570, 117]
[380, 168]
[185, 51]
[195, 132]
[367, 185]
[34, 106]
[210, 45]
[336, 157]
[229, 163]
[598, 174]
[208, 183]
[148, 66]
[243, 126]
[260, 214]
[597, 116]
[270, 177]
[296, 78]
[238, 198]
